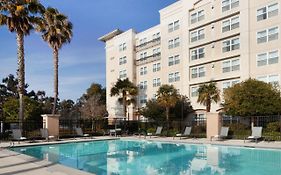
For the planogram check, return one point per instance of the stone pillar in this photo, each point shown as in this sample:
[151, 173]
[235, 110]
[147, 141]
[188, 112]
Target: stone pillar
[51, 122]
[213, 124]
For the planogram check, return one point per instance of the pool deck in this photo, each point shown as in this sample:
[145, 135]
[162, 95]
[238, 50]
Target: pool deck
[15, 163]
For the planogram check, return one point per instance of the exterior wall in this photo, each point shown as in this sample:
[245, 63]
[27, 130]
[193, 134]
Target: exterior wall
[215, 58]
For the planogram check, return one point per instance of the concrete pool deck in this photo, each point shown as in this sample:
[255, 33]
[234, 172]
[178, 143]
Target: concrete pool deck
[15, 163]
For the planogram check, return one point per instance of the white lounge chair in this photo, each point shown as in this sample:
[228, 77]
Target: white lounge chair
[17, 136]
[115, 132]
[158, 132]
[186, 133]
[256, 134]
[80, 133]
[45, 134]
[223, 134]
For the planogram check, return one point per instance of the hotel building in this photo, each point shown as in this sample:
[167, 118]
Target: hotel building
[197, 41]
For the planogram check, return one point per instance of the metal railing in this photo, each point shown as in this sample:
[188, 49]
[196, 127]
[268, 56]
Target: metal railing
[149, 59]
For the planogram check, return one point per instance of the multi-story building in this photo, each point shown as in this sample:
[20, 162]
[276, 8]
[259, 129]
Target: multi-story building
[197, 41]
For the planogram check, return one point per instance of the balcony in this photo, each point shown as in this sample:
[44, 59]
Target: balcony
[148, 59]
[148, 44]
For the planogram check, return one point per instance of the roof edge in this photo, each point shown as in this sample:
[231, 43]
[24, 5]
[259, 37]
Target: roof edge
[110, 35]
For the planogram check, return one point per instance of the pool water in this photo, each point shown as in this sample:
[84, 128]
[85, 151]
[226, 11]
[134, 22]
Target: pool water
[126, 157]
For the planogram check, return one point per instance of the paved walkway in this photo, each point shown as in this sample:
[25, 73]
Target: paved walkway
[15, 163]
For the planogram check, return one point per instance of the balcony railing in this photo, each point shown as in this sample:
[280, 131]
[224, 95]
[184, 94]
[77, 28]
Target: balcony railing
[148, 59]
[148, 44]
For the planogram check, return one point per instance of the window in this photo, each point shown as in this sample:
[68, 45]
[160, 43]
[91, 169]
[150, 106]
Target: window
[156, 51]
[123, 74]
[173, 60]
[143, 99]
[198, 53]
[122, 60]
[143, 70]
[194, 91]
[122, 47]
[230, 45]
[228, 84]
[174, 26]
[156, 36]
[272, 79]
[171, 77]
[143, 41]
[143, 55]
[268, 35]
[143, 85]
[229, 4]
[268, 58]
[197, 16]
[267, 12]
[177, 76]
[156, 82]
[197, 35]
[156, 67]
[230, 24]
[174, 43]
[231, 65]
[198, 72]
[174, 77]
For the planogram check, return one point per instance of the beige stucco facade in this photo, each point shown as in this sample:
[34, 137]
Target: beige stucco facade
[197, 41]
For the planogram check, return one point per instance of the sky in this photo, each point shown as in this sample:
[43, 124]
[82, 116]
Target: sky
[82, 62]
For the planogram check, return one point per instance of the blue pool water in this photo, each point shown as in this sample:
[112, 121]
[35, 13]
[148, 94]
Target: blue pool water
[125, 157]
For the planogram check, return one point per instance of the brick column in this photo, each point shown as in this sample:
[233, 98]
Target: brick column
[51, 122]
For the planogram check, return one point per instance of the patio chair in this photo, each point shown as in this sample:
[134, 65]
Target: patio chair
[80, 133]
[223, 134]
[115, 132]
[157, 133]
[186, 133]
[256, 134]
[17, 136]
[45, 134]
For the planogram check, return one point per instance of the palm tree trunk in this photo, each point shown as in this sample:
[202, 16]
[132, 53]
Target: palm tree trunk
[21, 77]
[208, 106]
[56, 79]
[167, 119]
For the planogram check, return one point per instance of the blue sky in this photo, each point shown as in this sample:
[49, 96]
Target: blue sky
[83, 61]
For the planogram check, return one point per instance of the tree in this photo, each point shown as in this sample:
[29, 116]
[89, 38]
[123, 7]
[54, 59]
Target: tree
[182, 108]
[252, 98]
[93, 109]
[65, 108]
[32, 110]
[126, 91]
[95, 89]
[20, 16]
[153, 111]
[56, 31]
[208, 93]
[167, 97]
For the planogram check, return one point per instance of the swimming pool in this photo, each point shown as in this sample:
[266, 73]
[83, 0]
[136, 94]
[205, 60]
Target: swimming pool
[122, 157]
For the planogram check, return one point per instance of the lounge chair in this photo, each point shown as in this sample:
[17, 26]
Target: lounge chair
[45, 134]
[17, 136]
[158, 132]
[80, 133]
[223, 134]
[115, 132]
[186, 133]
[256, 134]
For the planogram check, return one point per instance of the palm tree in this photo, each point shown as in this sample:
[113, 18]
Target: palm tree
[167, 97]
[20, 17]
[56, 31]
[126, 91]
[208, 93]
